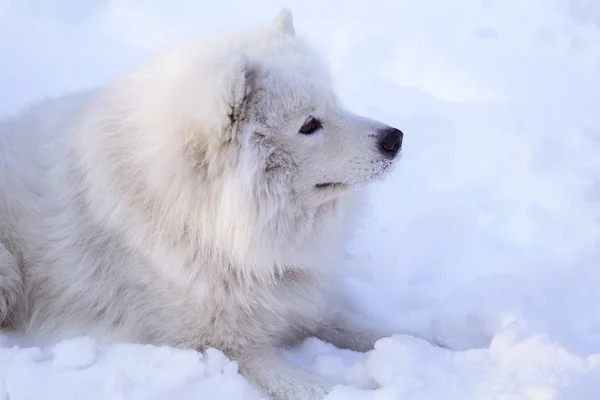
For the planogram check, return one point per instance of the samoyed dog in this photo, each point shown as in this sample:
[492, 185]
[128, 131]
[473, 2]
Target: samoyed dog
[202, 200]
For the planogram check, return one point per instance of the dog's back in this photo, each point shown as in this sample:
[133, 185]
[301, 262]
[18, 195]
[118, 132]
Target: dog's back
[33, 185]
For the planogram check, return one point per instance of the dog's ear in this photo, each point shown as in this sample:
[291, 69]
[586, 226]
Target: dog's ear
[284, 23]
[236, 82]
[211, 103]
[228, 86]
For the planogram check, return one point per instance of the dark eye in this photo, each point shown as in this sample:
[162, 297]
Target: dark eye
[310, 126]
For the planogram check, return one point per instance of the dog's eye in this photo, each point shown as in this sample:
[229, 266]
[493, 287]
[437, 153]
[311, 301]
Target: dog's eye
[310, 126]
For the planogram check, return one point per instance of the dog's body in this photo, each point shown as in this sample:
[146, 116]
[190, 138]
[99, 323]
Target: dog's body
[203, 200]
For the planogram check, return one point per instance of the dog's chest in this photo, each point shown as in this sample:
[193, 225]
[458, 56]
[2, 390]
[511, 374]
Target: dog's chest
[253, 312]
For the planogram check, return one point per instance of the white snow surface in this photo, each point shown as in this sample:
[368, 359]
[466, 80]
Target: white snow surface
[486, 238]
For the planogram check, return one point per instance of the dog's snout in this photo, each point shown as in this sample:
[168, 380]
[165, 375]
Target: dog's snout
[390, 141]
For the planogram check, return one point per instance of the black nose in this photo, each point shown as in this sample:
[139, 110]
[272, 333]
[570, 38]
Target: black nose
[390, 141]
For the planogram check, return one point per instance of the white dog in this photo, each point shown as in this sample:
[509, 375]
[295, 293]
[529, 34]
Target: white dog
[203, 200]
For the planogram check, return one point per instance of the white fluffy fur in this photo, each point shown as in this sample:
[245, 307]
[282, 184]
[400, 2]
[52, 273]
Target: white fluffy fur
[179, 206]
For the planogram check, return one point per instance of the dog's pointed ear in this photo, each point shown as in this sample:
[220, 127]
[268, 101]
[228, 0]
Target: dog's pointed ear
[236, 81]
[284, 23]
[218, 94]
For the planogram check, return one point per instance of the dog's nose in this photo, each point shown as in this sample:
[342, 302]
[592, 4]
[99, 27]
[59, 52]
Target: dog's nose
[390, 141]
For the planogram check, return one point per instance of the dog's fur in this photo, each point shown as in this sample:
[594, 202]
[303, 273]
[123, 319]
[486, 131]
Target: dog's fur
[180, 206]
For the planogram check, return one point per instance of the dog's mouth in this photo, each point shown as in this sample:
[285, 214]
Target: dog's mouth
[379, 170]
[332, 185]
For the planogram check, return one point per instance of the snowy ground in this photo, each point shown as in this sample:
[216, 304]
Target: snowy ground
[486, 238]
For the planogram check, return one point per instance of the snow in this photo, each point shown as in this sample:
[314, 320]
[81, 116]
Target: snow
[75, 353]
[485, 239]
[79, 369]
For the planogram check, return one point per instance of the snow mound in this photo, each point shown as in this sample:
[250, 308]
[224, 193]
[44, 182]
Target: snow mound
[74, 353]
[80, 369]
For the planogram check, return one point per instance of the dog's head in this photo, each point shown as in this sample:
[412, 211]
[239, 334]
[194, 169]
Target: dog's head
[293, 122]
[273, 98]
